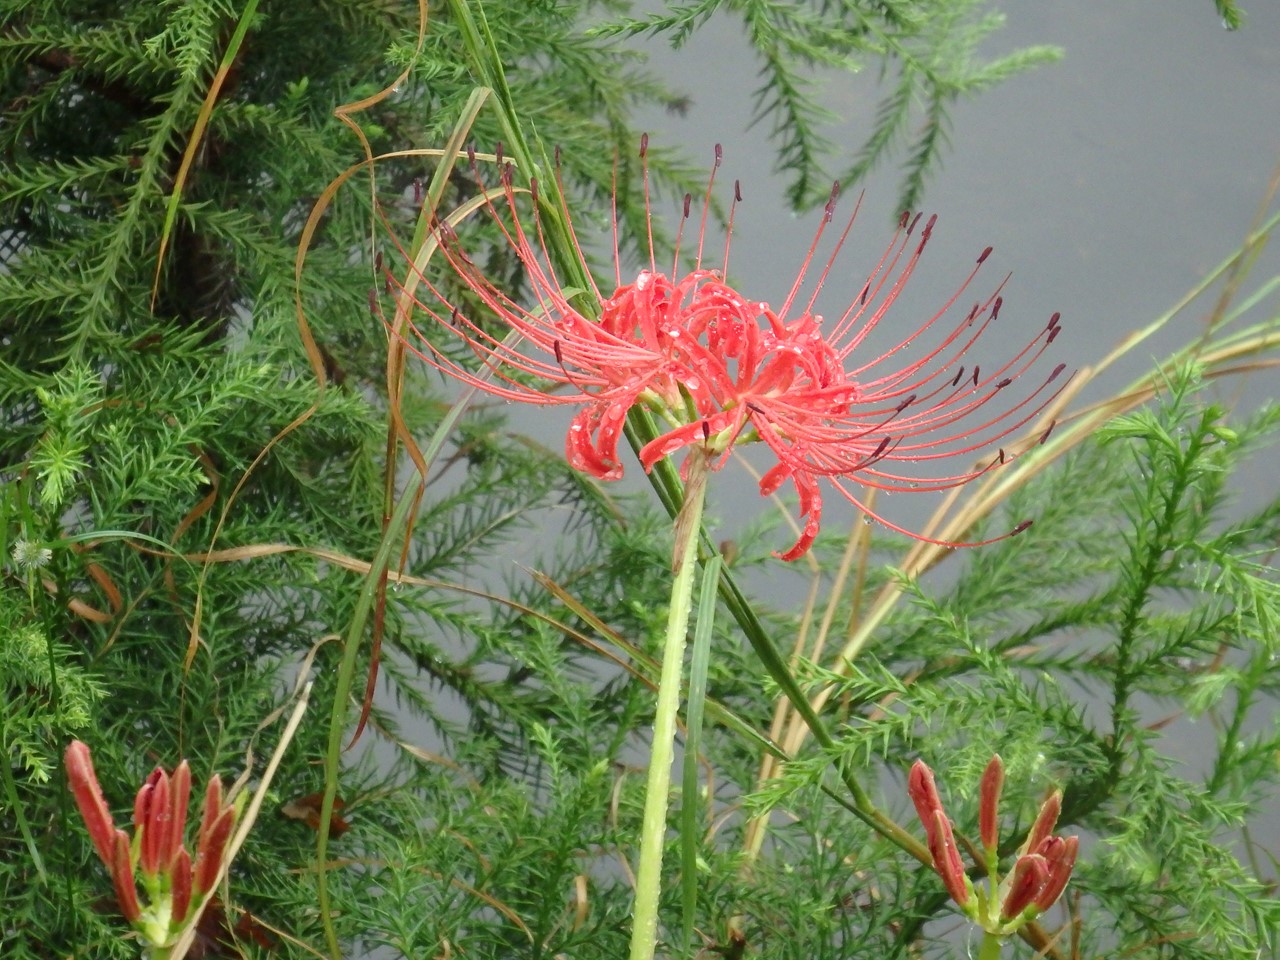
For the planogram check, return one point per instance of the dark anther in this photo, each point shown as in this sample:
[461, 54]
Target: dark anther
[688, 200]
[1000, 457]
[995, 307]
[557, 156]
[1056, 371]
[1053, 335]
[973, 313]
[862, 297]
[719, 153]
[959, 374]
[754, 409]
[417, 190]
[377, 262]
[1003, 383]
[983, 256]
[1053, 321]
[902, 220]
[905, 403]
[644, 145]
[533, 190]
[386, 286]
[915, 220]
[373, 300]
[706, 430]
[737, 191]
[453, 316]
[928, 228]
[1020, 527]
[497, 153]
[830, 210]
[471, 154]
[880, 448]
[1048, 430]
[555, 345]
[975, 374]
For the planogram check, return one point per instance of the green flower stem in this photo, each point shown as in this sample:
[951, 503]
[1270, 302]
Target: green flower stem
[990, 949]
[653, 833]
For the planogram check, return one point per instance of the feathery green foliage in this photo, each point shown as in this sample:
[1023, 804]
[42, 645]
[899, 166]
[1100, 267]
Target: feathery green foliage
[923, 49]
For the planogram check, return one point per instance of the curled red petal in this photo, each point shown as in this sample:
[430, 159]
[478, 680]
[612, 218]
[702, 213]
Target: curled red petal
[810, 495]
[586, 450]
[122, 878]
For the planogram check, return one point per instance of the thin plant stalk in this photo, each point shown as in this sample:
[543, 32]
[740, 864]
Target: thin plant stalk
[653, 835]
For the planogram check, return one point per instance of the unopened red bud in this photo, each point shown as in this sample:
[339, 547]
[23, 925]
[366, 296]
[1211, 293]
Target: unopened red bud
[88, 794]
[1025, 883]
[212, 808]
[209, 853]
[151, 820]
[122, 878]
[946, 859]
[924, 794]
[1060, 855]
[989, 803]
[181, 889]
[1046, 820]
[179, 795]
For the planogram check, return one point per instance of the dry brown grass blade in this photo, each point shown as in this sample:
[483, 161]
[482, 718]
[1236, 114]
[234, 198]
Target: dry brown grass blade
[398, 432]
[196, 136]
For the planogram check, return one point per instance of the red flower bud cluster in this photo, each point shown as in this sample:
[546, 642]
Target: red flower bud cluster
[1039, 874]
[175, 886]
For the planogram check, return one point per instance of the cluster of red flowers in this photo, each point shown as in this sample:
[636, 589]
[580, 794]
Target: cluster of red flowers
[1040, 872]
[175, 887]
[721, 369]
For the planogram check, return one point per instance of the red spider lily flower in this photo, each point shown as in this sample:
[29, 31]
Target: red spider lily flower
[175, 887]
[1040, 872]
[721, 369]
